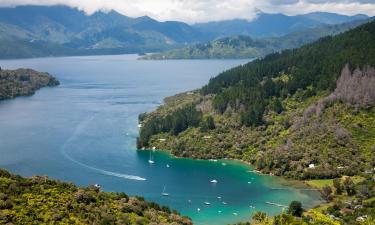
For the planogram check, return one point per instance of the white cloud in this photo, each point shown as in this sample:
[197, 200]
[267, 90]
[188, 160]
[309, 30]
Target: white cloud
[208, 10]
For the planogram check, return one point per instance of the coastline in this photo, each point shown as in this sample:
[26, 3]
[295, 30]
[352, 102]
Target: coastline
[301, 185]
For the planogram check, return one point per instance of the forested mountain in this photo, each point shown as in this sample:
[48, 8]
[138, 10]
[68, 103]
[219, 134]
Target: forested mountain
[308, 106]
[247, 47]
[268, 25]
[40, 200]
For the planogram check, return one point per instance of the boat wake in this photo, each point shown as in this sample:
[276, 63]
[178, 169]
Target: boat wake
[79, 129]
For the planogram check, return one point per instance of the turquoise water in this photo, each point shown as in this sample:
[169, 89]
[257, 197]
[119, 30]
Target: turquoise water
[84, 131]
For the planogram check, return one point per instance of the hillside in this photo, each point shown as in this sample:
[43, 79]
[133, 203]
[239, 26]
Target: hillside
[288, 114]
[39, 200]
[22, 82]
[247, 47]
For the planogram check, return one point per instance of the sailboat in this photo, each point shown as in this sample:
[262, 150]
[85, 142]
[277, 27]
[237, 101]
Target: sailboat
[164, 193]
[151, 160]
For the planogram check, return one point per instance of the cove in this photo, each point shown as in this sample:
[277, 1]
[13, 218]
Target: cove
[84, 131]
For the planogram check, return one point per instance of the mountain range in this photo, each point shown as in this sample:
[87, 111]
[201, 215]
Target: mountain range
[241, 46]
[35, 31]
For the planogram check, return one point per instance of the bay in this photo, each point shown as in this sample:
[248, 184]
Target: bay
[84, 131]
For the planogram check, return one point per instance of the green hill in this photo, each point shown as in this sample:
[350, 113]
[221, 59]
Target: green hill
[22, 82]
[288, 114]
[39, 200]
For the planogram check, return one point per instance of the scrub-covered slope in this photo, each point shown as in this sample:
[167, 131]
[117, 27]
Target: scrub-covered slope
[39, 200]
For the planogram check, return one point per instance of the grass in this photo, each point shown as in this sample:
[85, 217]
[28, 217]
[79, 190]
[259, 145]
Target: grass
[319, 184]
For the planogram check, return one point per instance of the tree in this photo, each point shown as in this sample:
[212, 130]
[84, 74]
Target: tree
[207, 124]
[349, 186]
[295, 208]
[260, 217]
[338, 186]
[326, 193]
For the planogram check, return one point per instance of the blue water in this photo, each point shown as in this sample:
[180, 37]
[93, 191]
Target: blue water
[84, 131]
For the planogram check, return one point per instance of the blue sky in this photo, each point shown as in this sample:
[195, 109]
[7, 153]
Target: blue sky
[192, 11]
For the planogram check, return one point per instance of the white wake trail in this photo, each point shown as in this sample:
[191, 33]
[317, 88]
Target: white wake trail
[79, 129]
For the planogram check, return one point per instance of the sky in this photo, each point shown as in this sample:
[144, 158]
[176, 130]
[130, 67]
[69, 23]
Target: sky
[193, 11]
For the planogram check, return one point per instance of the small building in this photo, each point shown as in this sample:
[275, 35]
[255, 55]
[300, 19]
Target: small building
[162, 139]
[346, 211]
[207, 137]
[312, 166]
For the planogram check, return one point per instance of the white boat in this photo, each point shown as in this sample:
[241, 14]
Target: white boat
[218, 197]
[189, 201]
[213, 181]
[139, 125]
[164, 193]
[224, 203]
[97, 185]
[236, 214]
[198, 209]
[207, 203]
[151, 159]
[168, 166]
[224, 164]
[249, 182]
[219, 211]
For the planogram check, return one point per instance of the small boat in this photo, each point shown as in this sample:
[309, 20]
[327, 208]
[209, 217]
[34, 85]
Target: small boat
[151, 160]
[97, 185]
[213, 181]
[189, 201]
[236, 214]
[224, 164]
[219, 211]
[168, 166]
[224, 203]
[139, 125]
[249, 182]
[198, 209]
[218, 197]
[164, 193]
[207, 203]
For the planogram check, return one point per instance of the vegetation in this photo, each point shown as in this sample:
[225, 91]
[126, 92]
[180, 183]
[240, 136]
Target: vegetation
[288, 114]
[356, 206]
[39, 200]
[306, 113]
[23, 82]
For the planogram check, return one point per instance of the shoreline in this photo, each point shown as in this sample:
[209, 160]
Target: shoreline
[297, 184]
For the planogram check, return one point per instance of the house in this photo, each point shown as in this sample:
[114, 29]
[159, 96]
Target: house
[346, 211]
[312, 166]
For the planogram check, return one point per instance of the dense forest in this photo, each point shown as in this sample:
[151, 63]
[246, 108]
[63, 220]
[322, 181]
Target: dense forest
[251, 88]
[39, 200]
[23, 82]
